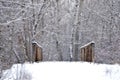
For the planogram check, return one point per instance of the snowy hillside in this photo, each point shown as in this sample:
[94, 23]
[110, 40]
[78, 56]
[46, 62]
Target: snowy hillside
[62, 71]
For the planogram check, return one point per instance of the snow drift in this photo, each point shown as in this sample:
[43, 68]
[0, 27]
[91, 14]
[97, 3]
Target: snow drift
[62, 71]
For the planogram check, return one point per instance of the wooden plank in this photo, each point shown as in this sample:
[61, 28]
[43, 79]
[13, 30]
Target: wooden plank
[37, 52]
[87, 52]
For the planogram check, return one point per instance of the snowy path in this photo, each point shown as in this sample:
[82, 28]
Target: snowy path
[62, 71]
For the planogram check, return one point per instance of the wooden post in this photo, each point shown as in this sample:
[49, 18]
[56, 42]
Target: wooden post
[87, 52]
[37, 52]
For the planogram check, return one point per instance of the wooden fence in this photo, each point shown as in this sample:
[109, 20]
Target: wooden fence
[37, 52]
[87, 52]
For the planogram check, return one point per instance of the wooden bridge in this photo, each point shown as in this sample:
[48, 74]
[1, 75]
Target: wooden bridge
[86, 52]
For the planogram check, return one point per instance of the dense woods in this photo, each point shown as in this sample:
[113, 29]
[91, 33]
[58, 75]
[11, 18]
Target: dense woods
[60, 27]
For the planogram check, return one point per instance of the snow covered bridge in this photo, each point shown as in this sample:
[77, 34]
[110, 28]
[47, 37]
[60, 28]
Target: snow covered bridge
[62, 71]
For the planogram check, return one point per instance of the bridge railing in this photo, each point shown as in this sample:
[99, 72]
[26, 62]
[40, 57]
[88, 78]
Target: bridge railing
[87, 52]
[37, 52]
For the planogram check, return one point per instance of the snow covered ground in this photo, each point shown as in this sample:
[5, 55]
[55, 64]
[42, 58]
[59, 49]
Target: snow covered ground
[62, 71]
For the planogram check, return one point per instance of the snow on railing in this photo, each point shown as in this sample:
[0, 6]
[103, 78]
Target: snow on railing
[92, 42]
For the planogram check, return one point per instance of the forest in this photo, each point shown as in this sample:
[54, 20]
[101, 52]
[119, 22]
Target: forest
[59, 28]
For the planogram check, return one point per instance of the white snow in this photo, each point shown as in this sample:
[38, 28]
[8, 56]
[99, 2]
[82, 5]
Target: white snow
[36, 43]
[87, 44]
[62, 71]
